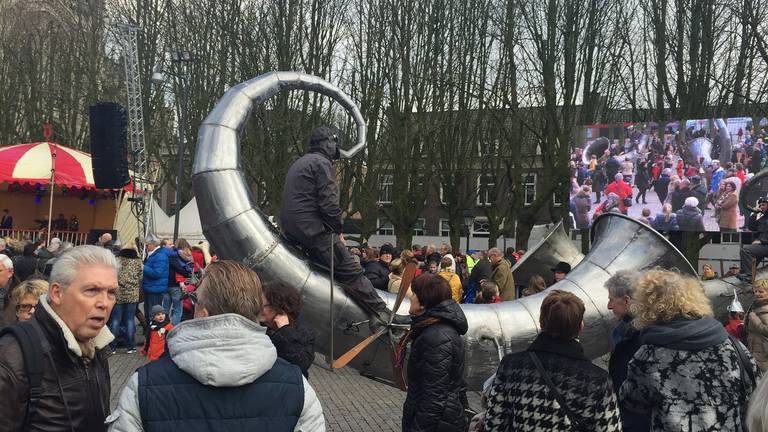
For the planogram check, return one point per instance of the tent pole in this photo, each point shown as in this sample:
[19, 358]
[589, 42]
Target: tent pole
[52, 183]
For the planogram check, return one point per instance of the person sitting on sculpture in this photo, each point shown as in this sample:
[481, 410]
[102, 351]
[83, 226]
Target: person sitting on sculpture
[758, 222]
[311, 217]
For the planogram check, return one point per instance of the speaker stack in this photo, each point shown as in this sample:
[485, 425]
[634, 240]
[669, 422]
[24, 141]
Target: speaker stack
[109, 152]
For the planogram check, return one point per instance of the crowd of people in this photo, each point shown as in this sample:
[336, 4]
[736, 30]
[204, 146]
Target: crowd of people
[672, 362]
[692, 189]
[226, 352]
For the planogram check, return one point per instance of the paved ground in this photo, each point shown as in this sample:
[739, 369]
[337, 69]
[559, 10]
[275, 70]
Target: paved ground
[350, 402]
[655, 206]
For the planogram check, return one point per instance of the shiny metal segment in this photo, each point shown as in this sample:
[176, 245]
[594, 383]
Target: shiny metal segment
[700, 147]
[556, 246]
[246, 235]
[726, 146]
[596, 147]
[720, 292]
[754, 188]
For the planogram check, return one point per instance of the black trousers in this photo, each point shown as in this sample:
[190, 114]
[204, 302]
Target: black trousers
[346, 271]
[750, 251]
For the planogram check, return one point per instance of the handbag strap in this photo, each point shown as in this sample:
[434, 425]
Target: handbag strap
[559, 397]
[746, 371]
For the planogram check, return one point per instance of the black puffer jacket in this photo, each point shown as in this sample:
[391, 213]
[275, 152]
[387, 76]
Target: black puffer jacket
[310, 203]
[295, 344]
[378, 273]
[77, 388]
[436, 389]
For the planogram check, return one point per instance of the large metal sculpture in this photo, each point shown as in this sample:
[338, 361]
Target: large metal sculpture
[754, 188]
[556, 246]
[239, 231]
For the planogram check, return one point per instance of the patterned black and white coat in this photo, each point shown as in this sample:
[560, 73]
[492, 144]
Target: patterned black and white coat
[684, 386]
[521, 401]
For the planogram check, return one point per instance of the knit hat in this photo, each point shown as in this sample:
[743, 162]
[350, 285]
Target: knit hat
[691, 202]
[562, 267]
[386, 249]
[156, 309]
[735, 305]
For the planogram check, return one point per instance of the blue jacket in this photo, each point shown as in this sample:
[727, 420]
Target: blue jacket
[156, 272]
[717, 177]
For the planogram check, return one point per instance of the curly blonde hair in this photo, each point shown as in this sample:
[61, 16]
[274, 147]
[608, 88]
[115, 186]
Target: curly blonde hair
[662, 296]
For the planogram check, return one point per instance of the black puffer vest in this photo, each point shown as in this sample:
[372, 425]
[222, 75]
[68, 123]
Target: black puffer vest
[172, 400]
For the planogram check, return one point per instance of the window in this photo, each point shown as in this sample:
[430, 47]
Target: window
[557, 199]
[480, 227]
[385, 188]
[488, 148]
[731, 237]
[442, 197]
[420, 227]
[445, 228]
[385, 227]
[486, 190]
[529, 188]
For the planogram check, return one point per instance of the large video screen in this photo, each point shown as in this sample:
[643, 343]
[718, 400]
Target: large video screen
[674, 176]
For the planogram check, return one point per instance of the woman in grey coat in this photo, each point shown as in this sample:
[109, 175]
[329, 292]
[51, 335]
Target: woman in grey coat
[687, 375]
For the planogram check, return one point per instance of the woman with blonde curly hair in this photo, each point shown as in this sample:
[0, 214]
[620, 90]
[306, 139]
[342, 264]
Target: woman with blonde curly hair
[687, 371]
[26, 295]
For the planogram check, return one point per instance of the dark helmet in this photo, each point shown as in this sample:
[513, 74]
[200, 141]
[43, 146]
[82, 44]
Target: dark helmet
[325, 140]
[762, 200]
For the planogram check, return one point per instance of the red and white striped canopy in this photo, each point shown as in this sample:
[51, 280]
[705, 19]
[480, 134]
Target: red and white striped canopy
[31, 163]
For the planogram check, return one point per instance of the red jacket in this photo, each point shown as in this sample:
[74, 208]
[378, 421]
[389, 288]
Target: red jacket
[154, 345]
[622, 189]
[735, 328]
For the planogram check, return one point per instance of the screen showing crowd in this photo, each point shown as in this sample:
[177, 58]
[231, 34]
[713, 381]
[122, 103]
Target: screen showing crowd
[673, 176]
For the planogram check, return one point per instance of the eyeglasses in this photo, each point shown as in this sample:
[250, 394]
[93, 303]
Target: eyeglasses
[25, 307]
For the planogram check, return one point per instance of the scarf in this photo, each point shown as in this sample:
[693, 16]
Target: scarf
[401, 346]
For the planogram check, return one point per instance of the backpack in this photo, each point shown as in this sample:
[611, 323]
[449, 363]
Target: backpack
[33, 346]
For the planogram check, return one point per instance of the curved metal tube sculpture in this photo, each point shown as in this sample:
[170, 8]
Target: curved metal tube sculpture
[754, 188]
[596, 147]
[556, 246]
[700, 148]
[239, 231]
[726, 146]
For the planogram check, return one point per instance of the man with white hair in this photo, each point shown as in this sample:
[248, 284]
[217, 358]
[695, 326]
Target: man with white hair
[60, 380]
[6, 274]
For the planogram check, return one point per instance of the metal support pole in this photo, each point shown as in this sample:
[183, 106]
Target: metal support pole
[333, 254]
[51, 184]
[183, 90]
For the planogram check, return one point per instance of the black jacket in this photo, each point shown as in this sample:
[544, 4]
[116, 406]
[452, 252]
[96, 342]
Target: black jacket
[75, 388]
[678, 198]
[661, 186]
[481, 270]
[760, 226]
[310, 203]
[295, 344]
[24, 266]
[627, 342]
[378, 273]
[700, 192]
[437, 395]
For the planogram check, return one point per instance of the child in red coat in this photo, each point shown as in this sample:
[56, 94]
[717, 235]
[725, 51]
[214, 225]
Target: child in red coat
[159, 326]
[735, 325]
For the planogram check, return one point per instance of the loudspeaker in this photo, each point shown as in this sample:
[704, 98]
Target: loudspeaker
[109, 154]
